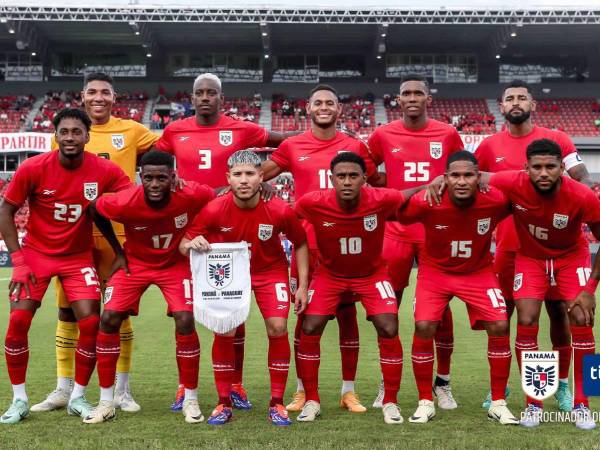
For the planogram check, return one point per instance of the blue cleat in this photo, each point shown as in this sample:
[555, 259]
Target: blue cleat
[239, 398]
[177, 405]
[278, 415]
[220, 415]
[564, 397]
[19, 409]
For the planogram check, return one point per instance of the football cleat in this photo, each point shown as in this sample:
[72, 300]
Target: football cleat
[239, 398]
[500, 413]
[56, 399]
[79, 407]
[191, 411]
[563, 396]
[445, 400]
[19, 409]
[351, 402]
[103, 412]
[310, 412]
[177, 405]
[532, 416]
[297, 403]
[488, 400]
[278, 415]
[378, 402]
[391, 414]
[220, 415]
[125, 402]
[583, 417]
[424, 413]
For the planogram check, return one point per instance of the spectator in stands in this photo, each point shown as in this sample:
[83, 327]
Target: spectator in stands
[597, 122]
[155, 121]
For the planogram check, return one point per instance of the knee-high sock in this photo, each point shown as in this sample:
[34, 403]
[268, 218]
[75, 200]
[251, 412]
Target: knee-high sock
[499, 359]
[583, 344]
[297, 333]
[223, 359]
[188, 358]
[390, 359]
[126, 332]
[107, 353]
[349, 341]
[85, 356]
[238, 345]
[66, 343]
[16, 345]
[422, 362]
[279, 365]
[564, 360]
[309, 356]
[444, 343]
[525, 341]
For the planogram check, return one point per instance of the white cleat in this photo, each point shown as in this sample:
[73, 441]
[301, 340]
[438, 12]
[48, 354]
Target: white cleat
[583, 417]
[500, 413]
[125, 402]
[445, 400]
[56, 399]
[391, 414]
[191, 411]
[424, 413]
[310, 412]
[378, 402]
[104, 412]
[532, 416]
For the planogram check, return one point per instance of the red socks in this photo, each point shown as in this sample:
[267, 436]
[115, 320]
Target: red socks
[444, 343]
[422, 362]
[85, 355]
[309, 357]
[16, 345]
[583, 344]
[188, 358]
[279, 364]
[564, 360]
[349, 341]
[390, 359]
[108, 347]
[223, 358]
[526, 341]
[238, 346]
[499, 359]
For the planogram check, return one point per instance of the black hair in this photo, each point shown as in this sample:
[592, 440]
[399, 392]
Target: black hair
[514, 84]
[349, 157]
[415, 77]
[157, 158]
[98, 76]
[544, 147]
[72, 113]
[323, 87]
[462, 155]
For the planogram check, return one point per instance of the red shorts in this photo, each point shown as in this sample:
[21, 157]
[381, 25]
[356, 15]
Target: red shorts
[272, 293]
[504, 266]
[123, 292]
[479, 290]
[374, 291]
[400, 257]
[77, 274]
[313, 255]
[553, 278]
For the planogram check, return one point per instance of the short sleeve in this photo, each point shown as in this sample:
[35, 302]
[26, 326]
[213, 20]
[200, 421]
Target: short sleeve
[293, 229]
[165, 142]
[20, 187]
[505, 180]
[483, 156]
[302, 207]
[145, 138]
[566, 144]
[375, 149]
[117, 179]
[365, 153]
[200, 225]
[411, 211]
[456, 142]
[591, 212]
[203, 193]
[112, 207]
[282, 156]
[255, 136]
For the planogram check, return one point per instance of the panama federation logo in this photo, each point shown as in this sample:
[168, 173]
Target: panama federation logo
[265, 231]
[90, 191]
[118, 141]
[108, 294]
[435, 150]
[560, 221]
[181, 221]
[518, 281]
[483, 225]
[539, 377]
[225, 138]
[370, 222]
[219, 269]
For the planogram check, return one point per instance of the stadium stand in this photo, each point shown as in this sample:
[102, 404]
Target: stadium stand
[575, 116]
[13, 112]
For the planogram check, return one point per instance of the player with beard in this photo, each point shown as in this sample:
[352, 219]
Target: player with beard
[307, 156]
[506, 151]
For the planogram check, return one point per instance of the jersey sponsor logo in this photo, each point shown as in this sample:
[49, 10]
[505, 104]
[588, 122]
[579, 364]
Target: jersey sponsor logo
[219, 269]
[181, 221]
[520, 208]
[226, 229]
[560, 221]
[225, 138]
[539, 377]
[328, 224]
[370, 222]
[183, 138]
[396, 150]
[435, 150]
[118, 141]
[48, 192]
[90, 191]
[500, 159]
[483, 225]
[140, 228]
[518, 281]
[441, 227]
[265, 231]
[108, 294]
[303, 158]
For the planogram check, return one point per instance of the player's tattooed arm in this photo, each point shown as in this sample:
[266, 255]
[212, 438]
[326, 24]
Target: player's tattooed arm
[581, 174]
[275, 139]
[302, 260]
[199, 243]
[105, 227]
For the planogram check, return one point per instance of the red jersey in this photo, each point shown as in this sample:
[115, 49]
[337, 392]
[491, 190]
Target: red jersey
[457, 240]
[503, 151]
[153, 235]
[350, 242]
[202, 151]
[548, 225]
[58, 198]
[223, 221]
[412, 158]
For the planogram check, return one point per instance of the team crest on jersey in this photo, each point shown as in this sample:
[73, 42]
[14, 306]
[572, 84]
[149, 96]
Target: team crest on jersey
[118, 141]
[370, 222]
[483, 225]
[518, 281]
[560, 221]
[108, 294]
[90, 191]
[181, 221]
[539, 377]
[219, 269]
[435, 150]
[265, 231]
[225, 138]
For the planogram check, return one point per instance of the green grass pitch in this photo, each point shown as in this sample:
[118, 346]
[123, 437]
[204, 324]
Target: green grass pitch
[154, 380]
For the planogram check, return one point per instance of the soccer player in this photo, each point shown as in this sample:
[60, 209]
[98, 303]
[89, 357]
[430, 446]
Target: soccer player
[456, 262]
[505, 150]
[155, 220]
[349, 226]
[553, 260]
[242, 215]
[415, 150]
[121, 141]
[202, 144]
[58, 243]
[307, 157]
